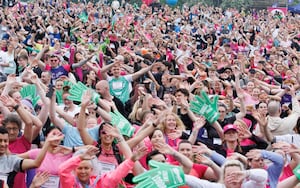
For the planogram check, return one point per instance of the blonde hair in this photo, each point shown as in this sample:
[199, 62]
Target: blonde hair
[179, 123]
[136, 111]
[228, 163]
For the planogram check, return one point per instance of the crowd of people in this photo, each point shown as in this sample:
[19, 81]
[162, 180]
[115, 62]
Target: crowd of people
[93, 94]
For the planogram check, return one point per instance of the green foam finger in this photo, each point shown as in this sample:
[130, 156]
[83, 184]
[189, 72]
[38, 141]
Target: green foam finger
[205, 97]
[199, 99]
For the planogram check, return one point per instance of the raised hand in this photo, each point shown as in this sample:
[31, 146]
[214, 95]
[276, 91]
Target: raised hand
[34, 79]
[199, 123]
[8, 101]
[174, 135]
[89, 153]
[202, 159]
[243, 133]
[205, 107]
[86, 98]
[201, 149]
[261, 119]
[39, 179]
[236, 177]
[254, 154]
[11, 79]
[164, 148]
[112, 131]
[139, 152]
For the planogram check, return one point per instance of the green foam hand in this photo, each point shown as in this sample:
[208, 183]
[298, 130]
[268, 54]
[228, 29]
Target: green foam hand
[77, 91]
[29, 92]
[205, 107]
[59, 97]
[296, 172]
[122, 123]
[161, 175]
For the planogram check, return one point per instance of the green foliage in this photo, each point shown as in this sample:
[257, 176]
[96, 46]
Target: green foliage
[238, 4]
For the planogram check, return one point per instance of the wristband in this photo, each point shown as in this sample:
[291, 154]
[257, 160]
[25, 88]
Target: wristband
[16, 107]
[296, 172]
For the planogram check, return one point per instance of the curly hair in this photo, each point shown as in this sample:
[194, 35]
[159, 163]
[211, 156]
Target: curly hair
[179, 123]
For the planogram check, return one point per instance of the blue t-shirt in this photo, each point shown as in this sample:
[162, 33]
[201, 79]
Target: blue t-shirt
[72, 136]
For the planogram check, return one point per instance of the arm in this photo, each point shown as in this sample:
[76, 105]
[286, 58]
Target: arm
[104, 114]
[292, 181]
[106, 68]
[44, 113]
[182, 159]
[258, 177]
[134, 141]
[29, 163]
[66, 175]
[240, 95]
[122, 145]
[212, 171]
[198, 124]
[274, 170]
[139, 73]
[55, 120]
[82, 62]
[81, 122]
[24, 115]
[68, 118]
[219, 129]
[40, 55]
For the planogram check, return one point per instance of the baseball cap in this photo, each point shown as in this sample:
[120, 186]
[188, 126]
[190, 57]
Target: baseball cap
[229, 127]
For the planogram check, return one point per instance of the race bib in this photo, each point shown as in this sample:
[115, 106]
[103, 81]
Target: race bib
[105, 167]
[53, 182]
[217, 141]
[117, 85]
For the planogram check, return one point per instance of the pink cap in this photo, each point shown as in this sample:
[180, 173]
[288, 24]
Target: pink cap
[229, 127]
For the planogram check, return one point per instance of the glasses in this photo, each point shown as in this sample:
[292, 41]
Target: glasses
[53, 60]
[14, 129]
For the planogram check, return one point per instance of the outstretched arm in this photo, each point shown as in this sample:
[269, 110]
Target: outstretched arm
[81, 122]
[54, 119]
[139, 73]
[182, 159]
[29, 163]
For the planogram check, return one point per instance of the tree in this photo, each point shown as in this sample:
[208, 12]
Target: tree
[238, 4]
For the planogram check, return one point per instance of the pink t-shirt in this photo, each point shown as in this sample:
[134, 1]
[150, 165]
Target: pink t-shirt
[20, 145]
[286, 173]
[51, 161]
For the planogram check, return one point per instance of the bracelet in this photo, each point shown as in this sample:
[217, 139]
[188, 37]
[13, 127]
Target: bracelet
[16, 107]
